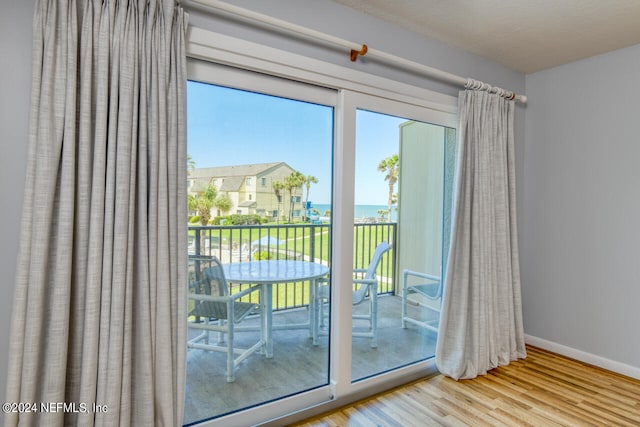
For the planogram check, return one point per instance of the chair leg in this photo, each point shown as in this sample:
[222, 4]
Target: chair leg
[404, 308]
[230, 337]
[320, 311]
[206, 336]
[319, 320]
[374, 317]
[320, 323]
[221, 340]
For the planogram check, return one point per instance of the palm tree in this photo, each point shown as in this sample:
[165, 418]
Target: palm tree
[192, 203]
[223, 203]
[293, 181]
[203, 204]
[308, 180]
[391, 169]
[278, 186]
[191, 164]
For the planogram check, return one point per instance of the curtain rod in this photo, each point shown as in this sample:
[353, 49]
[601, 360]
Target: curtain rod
[356, 49]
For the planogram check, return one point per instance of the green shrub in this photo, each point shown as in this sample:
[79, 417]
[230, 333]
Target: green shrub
[235, 219]
[217, 220]
[261, 256]
[253, 219]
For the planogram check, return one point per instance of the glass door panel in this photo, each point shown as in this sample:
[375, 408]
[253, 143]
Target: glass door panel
[403, 184]
[260, 194]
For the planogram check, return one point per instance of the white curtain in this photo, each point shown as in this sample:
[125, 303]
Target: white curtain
[100, 300]
[481, 319]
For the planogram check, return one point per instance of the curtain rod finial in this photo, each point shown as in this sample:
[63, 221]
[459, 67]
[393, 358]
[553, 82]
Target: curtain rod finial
[355, 53]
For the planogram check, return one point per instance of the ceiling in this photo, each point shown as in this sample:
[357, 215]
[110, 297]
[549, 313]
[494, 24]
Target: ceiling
[524, 35]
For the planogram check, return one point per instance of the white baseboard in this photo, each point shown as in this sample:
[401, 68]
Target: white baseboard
[583, 356]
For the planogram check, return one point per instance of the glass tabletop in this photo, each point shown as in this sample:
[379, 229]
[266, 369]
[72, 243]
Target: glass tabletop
[273, 271]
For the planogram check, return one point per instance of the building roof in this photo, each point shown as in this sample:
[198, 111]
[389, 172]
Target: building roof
[230, 178]
[199, 186]
[236, 170]
[232, 183]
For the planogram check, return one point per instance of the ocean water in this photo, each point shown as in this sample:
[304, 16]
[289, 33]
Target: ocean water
[360, 211]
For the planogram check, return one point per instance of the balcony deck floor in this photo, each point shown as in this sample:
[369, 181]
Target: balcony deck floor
[297, 365]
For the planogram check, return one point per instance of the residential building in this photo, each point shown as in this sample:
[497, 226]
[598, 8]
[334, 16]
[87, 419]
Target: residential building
[249, 188]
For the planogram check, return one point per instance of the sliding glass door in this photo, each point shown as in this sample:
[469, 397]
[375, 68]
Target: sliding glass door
[403, 200]
[259, 184]
[324, 215]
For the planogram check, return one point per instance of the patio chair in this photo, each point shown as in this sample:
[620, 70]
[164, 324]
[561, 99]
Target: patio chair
[365, 283]
[429, 287]
[216, 310]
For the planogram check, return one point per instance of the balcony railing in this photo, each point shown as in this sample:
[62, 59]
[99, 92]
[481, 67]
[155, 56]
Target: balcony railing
[307, 242]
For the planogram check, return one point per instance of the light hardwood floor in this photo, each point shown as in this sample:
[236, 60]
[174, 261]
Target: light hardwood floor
[544, 389]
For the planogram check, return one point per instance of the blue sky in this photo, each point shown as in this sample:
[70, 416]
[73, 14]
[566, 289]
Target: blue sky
[233, 127]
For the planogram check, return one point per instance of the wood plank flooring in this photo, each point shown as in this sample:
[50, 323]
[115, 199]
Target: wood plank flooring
[544, 389]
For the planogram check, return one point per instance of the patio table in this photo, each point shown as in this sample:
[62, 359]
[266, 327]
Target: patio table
[267, 273]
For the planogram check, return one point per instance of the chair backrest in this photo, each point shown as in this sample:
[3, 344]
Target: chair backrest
[360, 291]
[375, 260]
[215, 280]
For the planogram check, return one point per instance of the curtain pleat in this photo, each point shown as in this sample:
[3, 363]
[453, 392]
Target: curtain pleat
[100, 296]
[481, 319]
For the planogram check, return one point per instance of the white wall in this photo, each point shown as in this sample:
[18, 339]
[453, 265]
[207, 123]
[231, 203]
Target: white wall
[323, 15]
[581, 244]
[15, 84]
